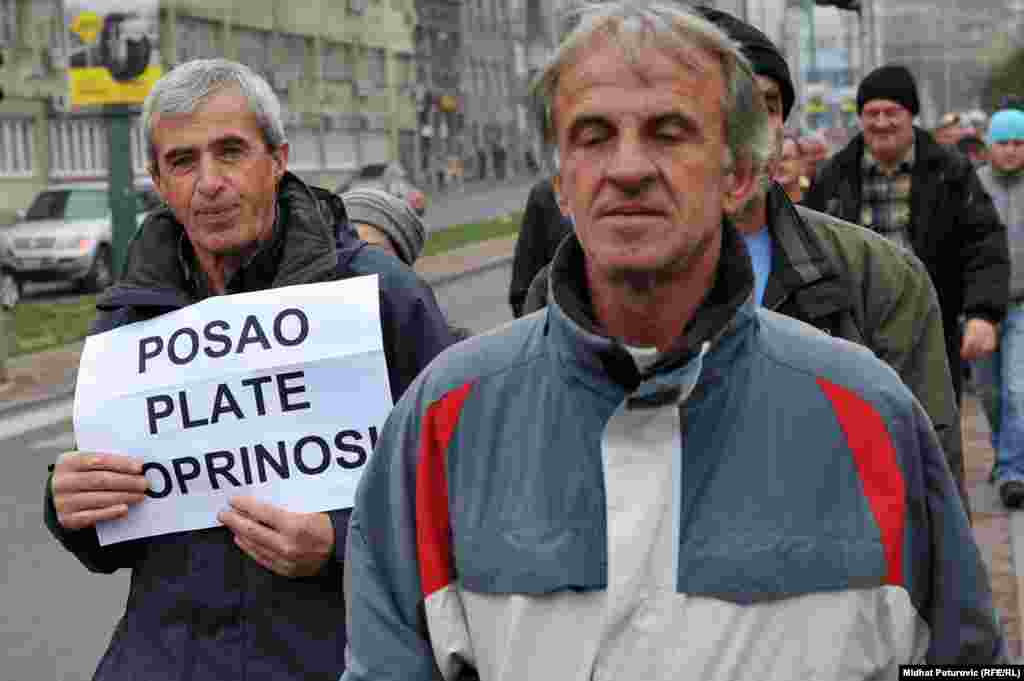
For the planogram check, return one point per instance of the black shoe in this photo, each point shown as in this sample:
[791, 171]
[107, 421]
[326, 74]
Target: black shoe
[1012, 493]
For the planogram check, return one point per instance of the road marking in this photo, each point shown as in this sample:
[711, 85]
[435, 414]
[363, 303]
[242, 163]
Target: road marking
[13, 426]
[64, 442]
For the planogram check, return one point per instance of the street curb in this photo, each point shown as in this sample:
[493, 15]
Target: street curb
[58, 394]
[442, 279]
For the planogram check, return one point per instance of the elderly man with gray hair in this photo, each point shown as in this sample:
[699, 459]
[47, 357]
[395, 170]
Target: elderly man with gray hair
[655, 478]
[259, 597]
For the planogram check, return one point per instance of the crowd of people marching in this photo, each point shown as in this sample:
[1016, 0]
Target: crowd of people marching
[721, 440]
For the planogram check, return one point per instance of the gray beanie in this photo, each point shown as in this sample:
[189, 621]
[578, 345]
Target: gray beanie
[390, 214]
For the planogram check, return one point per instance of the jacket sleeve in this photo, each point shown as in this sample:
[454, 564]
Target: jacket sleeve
[957, 602]
[85, 544]
[985, 259]
[532, 246]
[386, 611]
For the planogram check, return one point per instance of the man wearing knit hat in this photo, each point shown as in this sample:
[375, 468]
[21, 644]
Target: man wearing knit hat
[387, 221]
[896, 180]
[835, 275]
[1000, 377]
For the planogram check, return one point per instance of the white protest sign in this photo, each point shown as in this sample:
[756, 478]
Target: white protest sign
[277, 394]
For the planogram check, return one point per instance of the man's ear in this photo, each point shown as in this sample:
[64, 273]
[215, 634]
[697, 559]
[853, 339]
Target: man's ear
[154, 174]
[563, 204]
[740, 185]
[280, 156]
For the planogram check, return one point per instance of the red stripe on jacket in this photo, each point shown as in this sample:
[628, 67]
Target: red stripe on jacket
[433, 525]
[879, 471]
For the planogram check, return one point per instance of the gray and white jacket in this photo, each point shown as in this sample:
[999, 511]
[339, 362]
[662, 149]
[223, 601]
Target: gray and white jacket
[1007, 192]
[765, 502]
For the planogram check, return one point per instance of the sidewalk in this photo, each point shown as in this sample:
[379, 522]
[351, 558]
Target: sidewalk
[996, 530]
[50, 375]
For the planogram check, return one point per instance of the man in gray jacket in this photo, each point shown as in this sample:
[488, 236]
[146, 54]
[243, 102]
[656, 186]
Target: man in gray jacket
[1000, 377]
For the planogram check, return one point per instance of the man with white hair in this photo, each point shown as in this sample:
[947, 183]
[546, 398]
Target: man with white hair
[655, 478]
[259, 597]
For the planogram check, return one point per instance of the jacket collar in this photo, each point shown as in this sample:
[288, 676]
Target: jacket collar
[926, 152]
[303, 250]
[798, 257]
[603, 362]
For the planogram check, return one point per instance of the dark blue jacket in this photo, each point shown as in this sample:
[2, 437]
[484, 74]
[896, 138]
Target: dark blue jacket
[199, 608]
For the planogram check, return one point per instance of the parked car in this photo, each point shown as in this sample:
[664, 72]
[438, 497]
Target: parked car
[65, 235]
[10, 291]
[392, 178]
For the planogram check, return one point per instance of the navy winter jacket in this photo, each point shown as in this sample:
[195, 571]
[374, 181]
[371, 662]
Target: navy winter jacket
[199, 608]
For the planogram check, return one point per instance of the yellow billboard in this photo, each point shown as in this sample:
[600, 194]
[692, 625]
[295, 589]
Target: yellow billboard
[114, 55]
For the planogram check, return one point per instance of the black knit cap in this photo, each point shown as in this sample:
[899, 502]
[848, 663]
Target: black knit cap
[758, 48]
[893, 82]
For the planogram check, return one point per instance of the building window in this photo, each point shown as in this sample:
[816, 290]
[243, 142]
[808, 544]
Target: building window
[43, 23]
[8, 22]
[337, 61]
[377, 66]
[304, 148]
[140, 157]
[16, 147]
[197, 39]
[254, 50]
[78, 147]
[292, 62]
[403, 70]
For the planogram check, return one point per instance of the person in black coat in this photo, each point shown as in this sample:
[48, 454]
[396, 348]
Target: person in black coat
[896, 179]
[543, 229]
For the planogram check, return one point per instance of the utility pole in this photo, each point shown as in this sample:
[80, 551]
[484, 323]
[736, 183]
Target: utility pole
[123, 204]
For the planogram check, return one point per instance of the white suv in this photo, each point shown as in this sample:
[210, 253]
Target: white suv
[65, 235]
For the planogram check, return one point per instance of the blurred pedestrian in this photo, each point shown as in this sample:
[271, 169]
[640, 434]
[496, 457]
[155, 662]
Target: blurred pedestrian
[384, 220]
[790, 169]
[974, 148]
[894, 179]
[949, 130]
[816, 152]
[260, 596]
[1000, 377]
[612, 488]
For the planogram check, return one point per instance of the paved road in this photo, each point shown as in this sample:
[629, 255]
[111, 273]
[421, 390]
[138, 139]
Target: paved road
[474, 204]
[478, 302]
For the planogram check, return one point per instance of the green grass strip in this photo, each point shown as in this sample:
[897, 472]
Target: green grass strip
[470, 233]
[40, 326]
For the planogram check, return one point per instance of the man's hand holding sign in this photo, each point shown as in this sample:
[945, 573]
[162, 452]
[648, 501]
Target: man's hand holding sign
[89, 487]
[201, 377]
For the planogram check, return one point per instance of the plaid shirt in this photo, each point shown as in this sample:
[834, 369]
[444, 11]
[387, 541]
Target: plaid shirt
[885, 199]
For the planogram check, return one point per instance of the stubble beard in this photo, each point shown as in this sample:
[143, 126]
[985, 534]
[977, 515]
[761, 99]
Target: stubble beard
[643, 282]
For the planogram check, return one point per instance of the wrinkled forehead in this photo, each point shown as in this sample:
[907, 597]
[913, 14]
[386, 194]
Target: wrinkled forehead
[648, 56]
